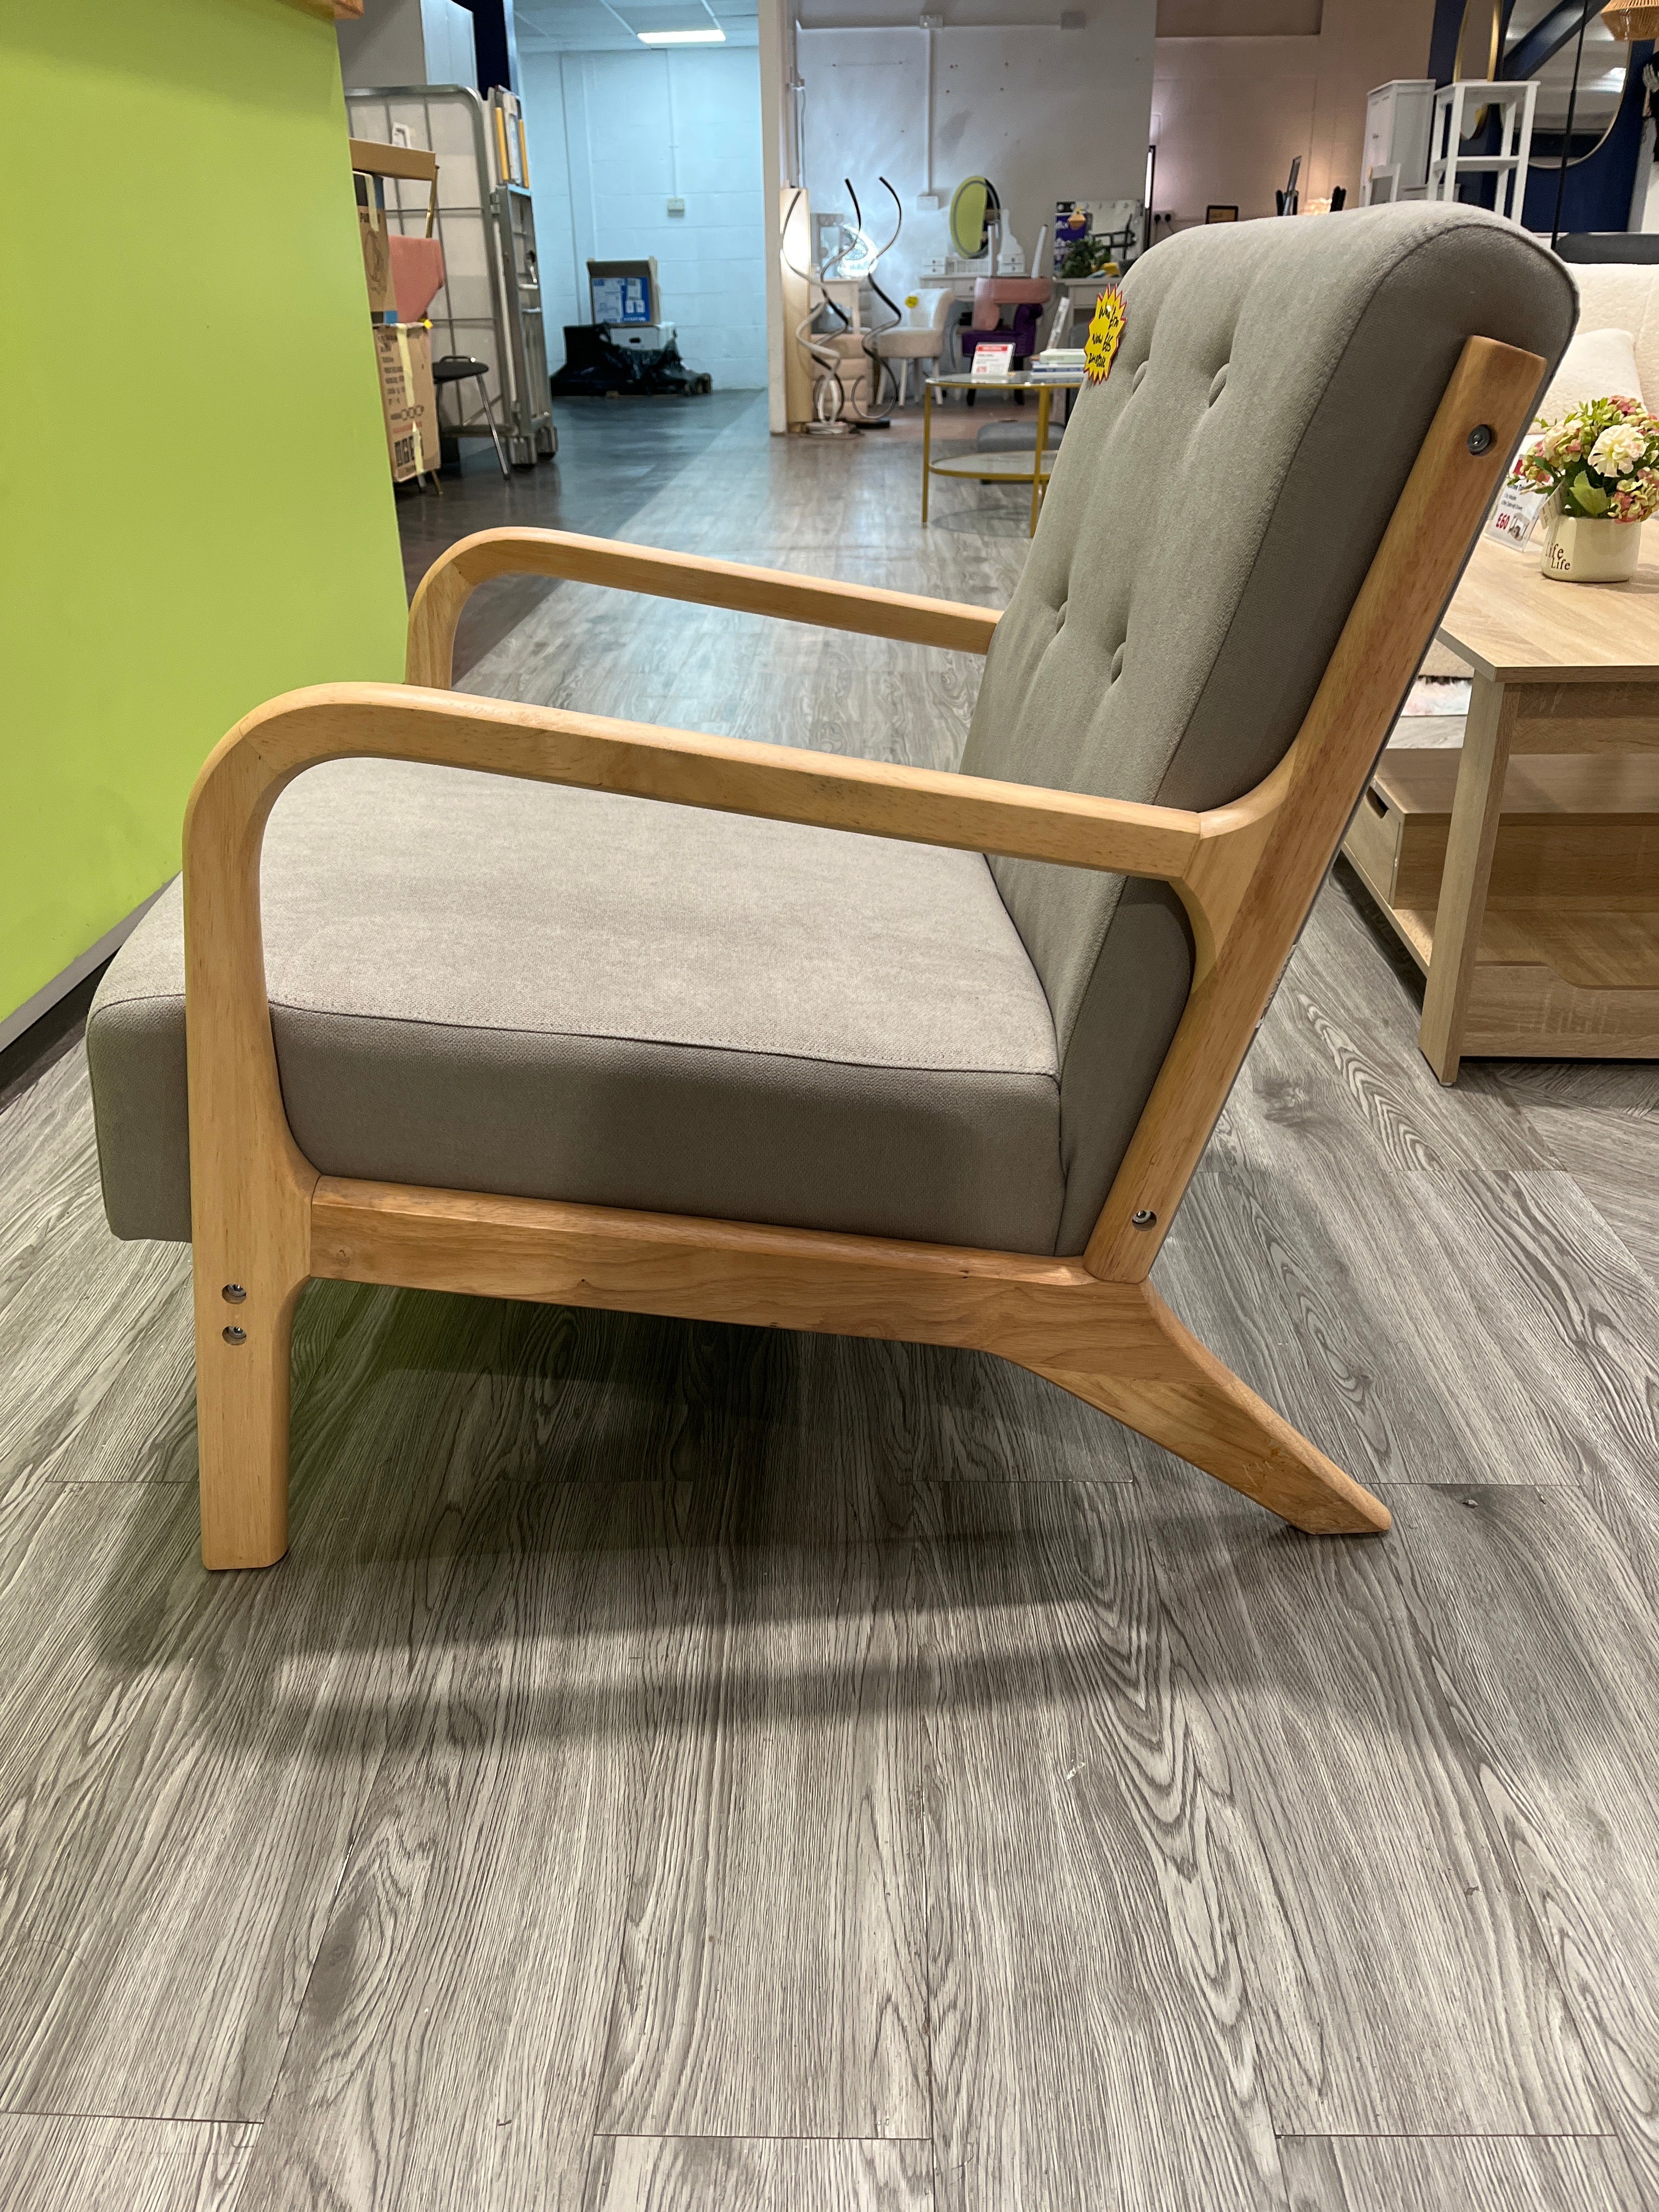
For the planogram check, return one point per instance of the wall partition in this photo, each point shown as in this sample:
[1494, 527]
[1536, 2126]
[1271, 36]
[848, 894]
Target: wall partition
[198, 506]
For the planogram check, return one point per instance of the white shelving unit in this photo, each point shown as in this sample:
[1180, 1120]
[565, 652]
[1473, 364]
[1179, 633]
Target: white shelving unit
[1447, 164]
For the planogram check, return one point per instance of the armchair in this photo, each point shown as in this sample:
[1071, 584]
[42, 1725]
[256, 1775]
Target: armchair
[675, 1023]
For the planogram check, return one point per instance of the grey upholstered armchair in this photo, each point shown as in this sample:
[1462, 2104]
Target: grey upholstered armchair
[534, 1004]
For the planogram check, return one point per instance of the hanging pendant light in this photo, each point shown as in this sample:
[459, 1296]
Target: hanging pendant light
[1633, 22]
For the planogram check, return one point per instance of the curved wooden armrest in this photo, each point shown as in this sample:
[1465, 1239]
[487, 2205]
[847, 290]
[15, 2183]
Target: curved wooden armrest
[732, 775]
[453, 577]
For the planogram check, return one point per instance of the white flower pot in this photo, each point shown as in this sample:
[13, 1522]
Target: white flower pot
[1579, 551]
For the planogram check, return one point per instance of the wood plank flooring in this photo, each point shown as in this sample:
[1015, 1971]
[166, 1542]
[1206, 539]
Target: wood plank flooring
[682, 1768]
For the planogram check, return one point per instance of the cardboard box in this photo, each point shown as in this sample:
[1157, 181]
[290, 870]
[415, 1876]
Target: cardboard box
[409, 398]
[376, 243]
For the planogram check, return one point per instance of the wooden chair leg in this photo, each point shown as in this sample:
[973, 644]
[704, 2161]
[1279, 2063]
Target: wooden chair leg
[1206, 1415]
[242, 1417]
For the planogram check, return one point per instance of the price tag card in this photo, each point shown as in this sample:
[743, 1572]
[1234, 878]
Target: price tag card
[993, 360]
[1516, 516]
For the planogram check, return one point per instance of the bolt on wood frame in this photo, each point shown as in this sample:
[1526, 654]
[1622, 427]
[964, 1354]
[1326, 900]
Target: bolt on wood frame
[266, 1220]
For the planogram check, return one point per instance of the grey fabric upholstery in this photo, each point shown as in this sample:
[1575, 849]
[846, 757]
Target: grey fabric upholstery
[1212, 513]
[490, 985]
[486, 985]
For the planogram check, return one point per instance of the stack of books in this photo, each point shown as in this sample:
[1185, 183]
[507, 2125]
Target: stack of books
[1062, 362]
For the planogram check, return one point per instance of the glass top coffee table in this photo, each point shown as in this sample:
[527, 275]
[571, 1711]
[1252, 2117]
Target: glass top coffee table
[994, 468]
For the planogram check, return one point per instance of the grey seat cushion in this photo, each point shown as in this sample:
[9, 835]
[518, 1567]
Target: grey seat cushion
[1213, 511]
[486, 985]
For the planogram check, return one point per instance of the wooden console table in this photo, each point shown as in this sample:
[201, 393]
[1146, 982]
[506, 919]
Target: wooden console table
[1552, 953]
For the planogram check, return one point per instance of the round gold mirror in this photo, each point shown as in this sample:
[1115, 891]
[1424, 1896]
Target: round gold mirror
[1540, 41]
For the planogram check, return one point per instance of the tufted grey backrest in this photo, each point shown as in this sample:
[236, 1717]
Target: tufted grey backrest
[1213, 510]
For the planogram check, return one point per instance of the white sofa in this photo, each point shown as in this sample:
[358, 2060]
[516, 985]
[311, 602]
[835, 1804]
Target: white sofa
[1623, 295]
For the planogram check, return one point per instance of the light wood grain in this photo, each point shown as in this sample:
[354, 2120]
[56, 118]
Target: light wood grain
[785, 1804]
[1247, 874]
[55, 2164]
[1513, 624]
[186, 1758]
[1308, 1657]
[1340, 1046]
[446, 2052]
[1117, 1346]
[729, 1271]
[1460, 909]
[1552, 983]
[1572, 827]
[99, 1378]
[1542, 1377]
[249, 1186]
[1351, 1247]
[378, 161]
[1424, 780]
[1539, 1622]
[1562, 956]
[1208, 1417]
[1382, 644]
[1587, 717]
[1466, 2173]
[706, 582]
[1609, 1146]
[655, 2174]
[1095, 2039]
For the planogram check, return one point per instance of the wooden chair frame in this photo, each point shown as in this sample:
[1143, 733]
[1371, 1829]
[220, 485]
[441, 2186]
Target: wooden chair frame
[266, 1220]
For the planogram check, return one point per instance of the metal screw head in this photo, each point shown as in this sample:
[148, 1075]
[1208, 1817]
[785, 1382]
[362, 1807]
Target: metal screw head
[1143, 1220]
[235, 1335]
[1480, 438]
[232, 1294]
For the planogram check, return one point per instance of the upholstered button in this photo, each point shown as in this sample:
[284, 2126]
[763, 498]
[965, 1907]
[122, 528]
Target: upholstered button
[1117, 663]
[1218, 385]
[1134, 382]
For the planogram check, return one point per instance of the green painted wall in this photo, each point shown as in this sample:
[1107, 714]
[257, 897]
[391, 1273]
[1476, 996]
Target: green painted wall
[195, 509]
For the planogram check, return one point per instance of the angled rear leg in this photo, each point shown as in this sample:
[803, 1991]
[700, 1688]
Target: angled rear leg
[1201, 1412]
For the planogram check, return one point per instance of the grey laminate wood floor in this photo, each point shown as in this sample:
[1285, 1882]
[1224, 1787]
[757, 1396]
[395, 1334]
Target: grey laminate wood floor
[682, 1767]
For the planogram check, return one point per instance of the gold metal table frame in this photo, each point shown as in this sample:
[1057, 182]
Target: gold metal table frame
[1042, 460]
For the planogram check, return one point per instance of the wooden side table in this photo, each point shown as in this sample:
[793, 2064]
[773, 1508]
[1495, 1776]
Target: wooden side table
[1560, 958]
[994, 468]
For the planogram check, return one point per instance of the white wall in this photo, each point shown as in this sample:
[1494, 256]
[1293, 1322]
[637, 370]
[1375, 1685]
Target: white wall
[612, 138]
[1046, 113]
[1231, 111]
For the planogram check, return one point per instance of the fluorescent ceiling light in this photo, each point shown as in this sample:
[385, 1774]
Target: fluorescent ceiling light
[712, 36]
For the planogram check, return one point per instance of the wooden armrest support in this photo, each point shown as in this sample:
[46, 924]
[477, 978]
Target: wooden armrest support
[452, 578]
[786, 783]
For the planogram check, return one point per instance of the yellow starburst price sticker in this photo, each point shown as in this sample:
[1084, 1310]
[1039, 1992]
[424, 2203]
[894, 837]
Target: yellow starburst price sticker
[1105, 331]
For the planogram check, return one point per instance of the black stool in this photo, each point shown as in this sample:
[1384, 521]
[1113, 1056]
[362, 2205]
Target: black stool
[457, 369]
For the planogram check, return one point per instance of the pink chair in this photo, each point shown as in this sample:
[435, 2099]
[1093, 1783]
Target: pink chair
[417, 273]
[1007, 306]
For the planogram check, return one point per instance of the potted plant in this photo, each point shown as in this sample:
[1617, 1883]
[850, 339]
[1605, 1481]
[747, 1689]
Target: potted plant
[1599, 466]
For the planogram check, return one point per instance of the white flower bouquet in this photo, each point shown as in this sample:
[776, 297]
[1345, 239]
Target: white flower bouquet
[1598, 464]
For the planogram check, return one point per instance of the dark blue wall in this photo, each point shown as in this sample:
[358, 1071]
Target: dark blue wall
[1597, 193]
[1443, 41]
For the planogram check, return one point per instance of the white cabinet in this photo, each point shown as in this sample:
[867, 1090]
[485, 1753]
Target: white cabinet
[1399, 124]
